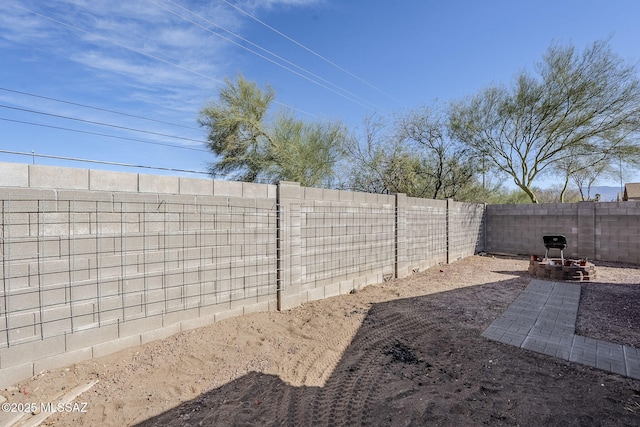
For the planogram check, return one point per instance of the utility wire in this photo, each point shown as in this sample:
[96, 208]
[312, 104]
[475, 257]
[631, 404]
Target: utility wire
[102, 162]
[313, 52]
[26, 110]
[140, 52]
[103, 135]
[271, 60]
[351, 94]
[97, 108]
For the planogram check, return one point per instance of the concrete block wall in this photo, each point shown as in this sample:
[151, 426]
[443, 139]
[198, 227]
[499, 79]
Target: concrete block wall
[289, 244]
[442, 231]
[97, 261]
[465, 229]
[519, 229]
[426, 222]
[347, 241]
[607, 231]
[615, 233]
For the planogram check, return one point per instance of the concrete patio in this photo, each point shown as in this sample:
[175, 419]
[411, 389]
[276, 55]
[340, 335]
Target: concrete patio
[543, 319]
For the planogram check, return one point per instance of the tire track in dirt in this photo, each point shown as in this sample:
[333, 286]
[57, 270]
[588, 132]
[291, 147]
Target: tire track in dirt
[351, 392]
[314, 364]
[419, 360]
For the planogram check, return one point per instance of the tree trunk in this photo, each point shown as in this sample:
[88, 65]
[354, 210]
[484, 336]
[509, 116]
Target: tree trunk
[564, 190]
[530, 193]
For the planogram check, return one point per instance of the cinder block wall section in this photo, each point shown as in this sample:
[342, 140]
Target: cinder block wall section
[607, 231]
[518, 229]
[347, 241]
[426, 233]
[615, 234]
[97, 261]
[465, 229]
[442, 231]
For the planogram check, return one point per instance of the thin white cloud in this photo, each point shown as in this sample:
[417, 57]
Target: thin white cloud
[20, 27]
[123, 36]
[110, 27]
[121, 52]
[122, 44]
[258, 4]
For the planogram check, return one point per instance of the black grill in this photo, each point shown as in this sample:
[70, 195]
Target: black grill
[555, 242]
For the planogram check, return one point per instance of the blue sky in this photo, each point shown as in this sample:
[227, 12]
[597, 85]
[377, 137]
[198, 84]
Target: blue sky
[155, 63]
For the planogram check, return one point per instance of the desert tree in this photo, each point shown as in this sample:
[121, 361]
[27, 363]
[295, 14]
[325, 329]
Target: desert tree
[583, 171]
[579, 104]
[380, 163]
[446, 166]
[253, 144]
[237, 129]
[306, 152]
[410, 153]
[585, 178]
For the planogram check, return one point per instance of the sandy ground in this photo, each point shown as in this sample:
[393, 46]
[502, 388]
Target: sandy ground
[401, 353]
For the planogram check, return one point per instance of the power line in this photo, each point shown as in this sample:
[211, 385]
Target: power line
[269, 59]
[140, 52]
[102, 162]
[97, 108]
[354, 97]
[312, 51]
[103, 135]
[26, 110]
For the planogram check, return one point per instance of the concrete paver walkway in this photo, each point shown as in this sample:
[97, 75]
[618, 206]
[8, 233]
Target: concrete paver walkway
[543, 319]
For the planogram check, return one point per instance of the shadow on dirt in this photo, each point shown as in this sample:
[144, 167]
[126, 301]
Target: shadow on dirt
[421, 361]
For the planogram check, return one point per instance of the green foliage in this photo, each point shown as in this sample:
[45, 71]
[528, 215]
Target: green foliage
[447, 169]
[380, 163]
[237, 131]
[585, 105]
[412, 156]
[305, 152]
[515, 197]
[576, 120]
[250, 147]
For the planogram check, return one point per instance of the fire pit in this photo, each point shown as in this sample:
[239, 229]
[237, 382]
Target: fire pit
[560, 268]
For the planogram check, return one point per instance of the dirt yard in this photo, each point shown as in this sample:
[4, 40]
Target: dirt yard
[407, 352]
